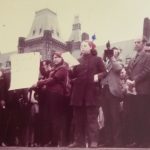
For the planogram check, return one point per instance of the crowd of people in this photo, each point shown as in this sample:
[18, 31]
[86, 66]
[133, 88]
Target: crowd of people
[98, 103]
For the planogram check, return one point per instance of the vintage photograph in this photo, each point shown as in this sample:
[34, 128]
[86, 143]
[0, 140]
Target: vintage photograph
[74, 74]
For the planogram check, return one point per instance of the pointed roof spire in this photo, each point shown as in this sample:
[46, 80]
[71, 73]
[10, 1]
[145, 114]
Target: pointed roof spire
[44, 19]
[76, 30]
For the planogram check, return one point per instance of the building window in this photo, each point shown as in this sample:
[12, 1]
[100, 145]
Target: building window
[58, 34]
[40, 30]
[33, 32]
[8, 64]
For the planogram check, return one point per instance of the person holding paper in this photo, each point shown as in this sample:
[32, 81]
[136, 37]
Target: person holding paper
[85, 95]
[42, 93]
[55, 84]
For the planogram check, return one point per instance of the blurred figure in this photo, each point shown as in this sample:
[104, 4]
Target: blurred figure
[18, 117]
[32, 131]
[45, 68]
[3, 109]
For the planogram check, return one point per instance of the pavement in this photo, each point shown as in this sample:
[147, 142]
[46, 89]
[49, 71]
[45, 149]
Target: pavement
[64, 148]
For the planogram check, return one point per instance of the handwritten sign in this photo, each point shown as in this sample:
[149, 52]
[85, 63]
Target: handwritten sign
[68, 58]
[24, 70]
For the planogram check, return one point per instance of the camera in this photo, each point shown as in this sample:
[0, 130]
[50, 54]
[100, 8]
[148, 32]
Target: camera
[108, 52]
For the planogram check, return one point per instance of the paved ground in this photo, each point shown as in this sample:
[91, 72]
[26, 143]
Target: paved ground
[64, 148]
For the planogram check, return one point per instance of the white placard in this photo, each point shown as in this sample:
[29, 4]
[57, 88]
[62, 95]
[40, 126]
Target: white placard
[68, 58]
[24, 70]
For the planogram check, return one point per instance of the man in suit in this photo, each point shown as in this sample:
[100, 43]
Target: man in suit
[112, 95]
[138, 106]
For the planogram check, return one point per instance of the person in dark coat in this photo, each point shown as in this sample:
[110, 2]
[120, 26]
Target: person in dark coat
[42, 97]
[55, 85]
[85, 95]
[3, 110]
[138, 104]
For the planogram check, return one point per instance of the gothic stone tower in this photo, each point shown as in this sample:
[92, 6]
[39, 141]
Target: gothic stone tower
[44, 35]
[76, 37]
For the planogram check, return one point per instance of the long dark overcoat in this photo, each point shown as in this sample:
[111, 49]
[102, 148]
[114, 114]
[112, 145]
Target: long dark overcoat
[85, 90]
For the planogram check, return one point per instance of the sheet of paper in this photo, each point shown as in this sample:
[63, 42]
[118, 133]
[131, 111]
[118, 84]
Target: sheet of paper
[68, 58]
[131, 91]
[96, 78]
[24, 70]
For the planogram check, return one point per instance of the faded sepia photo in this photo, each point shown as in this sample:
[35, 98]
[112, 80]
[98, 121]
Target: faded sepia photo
[74, 74]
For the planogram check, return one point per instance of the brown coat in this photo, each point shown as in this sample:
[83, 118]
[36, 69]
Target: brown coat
[56, 81]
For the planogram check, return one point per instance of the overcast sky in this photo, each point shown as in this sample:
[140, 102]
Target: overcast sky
[116, 20]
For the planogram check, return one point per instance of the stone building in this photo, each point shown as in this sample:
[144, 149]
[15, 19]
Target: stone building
[146, 29]
[44, 35]
[5, 59]
[146, 33]
[76, 37]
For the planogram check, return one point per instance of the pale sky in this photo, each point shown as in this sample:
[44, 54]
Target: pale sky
[114, 20]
